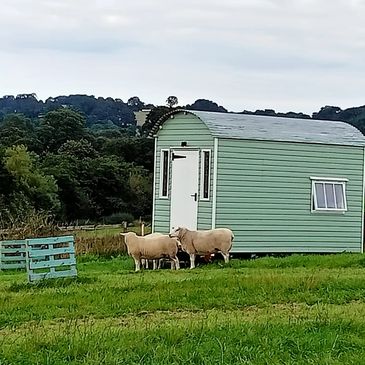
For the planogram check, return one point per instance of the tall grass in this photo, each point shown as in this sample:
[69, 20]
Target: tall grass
[29, 224]
[294, 310]
[103, 242]
[106, 246]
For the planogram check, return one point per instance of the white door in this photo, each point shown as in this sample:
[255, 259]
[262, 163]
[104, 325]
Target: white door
[184, 189]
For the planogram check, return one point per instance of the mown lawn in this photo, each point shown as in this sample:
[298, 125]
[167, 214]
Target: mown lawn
[293, 310]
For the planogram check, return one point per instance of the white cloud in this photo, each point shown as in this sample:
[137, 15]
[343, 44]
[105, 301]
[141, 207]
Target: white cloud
[244, 54]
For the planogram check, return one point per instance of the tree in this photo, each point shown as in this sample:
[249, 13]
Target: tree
[60, 126]
[206, 105]
[135, 103]
[171, 101]
[80, 149]
[16, 129]
[31, 184]
[328, 113]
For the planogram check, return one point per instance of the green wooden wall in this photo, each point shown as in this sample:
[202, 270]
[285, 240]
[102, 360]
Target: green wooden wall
[181, 128]
[264, 196]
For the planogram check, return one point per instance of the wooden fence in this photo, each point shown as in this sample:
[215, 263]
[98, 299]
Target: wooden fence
[52, 257]
[12, 255]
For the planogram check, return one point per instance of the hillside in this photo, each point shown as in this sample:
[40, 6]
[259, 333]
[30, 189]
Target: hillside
[108, 112]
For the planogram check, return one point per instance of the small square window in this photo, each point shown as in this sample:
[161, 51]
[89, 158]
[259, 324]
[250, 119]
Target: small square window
[329, 195]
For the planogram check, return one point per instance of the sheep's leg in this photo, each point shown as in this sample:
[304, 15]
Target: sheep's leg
[144, 263]
[154, 264]
[226, 257]
[192, 261]
[137, 263]
[159, 264]
[175, 264]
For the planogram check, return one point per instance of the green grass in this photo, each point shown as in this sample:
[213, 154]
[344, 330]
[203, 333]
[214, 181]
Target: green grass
[293, 310]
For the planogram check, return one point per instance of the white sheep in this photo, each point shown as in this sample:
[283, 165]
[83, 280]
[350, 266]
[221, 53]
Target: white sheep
[155, 263]
[204, 242]
[151, 248]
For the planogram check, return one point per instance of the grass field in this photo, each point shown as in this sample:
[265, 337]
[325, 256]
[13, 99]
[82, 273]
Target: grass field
[292, 310]
[105, 232]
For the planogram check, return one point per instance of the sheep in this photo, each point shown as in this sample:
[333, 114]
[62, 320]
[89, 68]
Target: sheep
[154, 247]
[155, 263]
[204, 242]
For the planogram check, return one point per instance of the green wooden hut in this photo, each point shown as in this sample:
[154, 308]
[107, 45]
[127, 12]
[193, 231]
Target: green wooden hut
[281, 184]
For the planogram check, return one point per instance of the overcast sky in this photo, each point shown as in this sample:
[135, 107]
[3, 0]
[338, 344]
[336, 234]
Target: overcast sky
[294, 55]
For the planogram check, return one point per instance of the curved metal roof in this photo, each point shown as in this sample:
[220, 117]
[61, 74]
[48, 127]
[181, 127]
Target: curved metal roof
[257, 127]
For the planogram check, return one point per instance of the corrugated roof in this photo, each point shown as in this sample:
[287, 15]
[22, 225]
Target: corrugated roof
[257, 127]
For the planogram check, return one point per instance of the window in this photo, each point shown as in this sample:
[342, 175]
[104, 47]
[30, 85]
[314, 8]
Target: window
[164, 174]
[205, 175]
[329, 194]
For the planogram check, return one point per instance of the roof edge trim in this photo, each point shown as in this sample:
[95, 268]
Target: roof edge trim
[165, 117]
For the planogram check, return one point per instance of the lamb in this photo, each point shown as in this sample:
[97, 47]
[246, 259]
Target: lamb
[155, 247]
[204, 242]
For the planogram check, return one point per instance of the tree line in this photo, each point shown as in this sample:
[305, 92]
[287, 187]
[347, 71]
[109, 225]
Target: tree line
[58, 165]
[81, 158]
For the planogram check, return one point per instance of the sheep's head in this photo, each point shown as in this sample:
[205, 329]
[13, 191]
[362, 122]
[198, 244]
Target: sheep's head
[126, 235]
[178, 232]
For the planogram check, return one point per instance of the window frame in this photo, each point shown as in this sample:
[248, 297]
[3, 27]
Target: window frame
[202, 173]
[162, 174]
[333, 181]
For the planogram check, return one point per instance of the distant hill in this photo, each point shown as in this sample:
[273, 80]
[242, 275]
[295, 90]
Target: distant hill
[96, 110]
[108, 111]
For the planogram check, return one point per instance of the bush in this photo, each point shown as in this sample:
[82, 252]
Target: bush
[118, 218]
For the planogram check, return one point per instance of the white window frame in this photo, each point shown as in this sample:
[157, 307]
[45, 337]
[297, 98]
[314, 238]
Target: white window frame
[328, 180]
[202, 167]
[161, 196]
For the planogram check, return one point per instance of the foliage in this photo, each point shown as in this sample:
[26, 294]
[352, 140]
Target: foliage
[273, 113]
[27, 223]
[294, 310]
[16, 129]
[66, 170]
[153, 116]
[118, 218]
[135, 103]
[354, 116]
[96, 110]
[78, 157]
[31, 185]
[206, 105]
[59, 126]
[172, 101]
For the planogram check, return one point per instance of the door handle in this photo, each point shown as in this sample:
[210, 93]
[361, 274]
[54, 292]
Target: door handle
[195, 196]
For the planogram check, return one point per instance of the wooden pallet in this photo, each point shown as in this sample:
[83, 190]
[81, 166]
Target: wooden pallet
[49, 258]
[12, 255]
